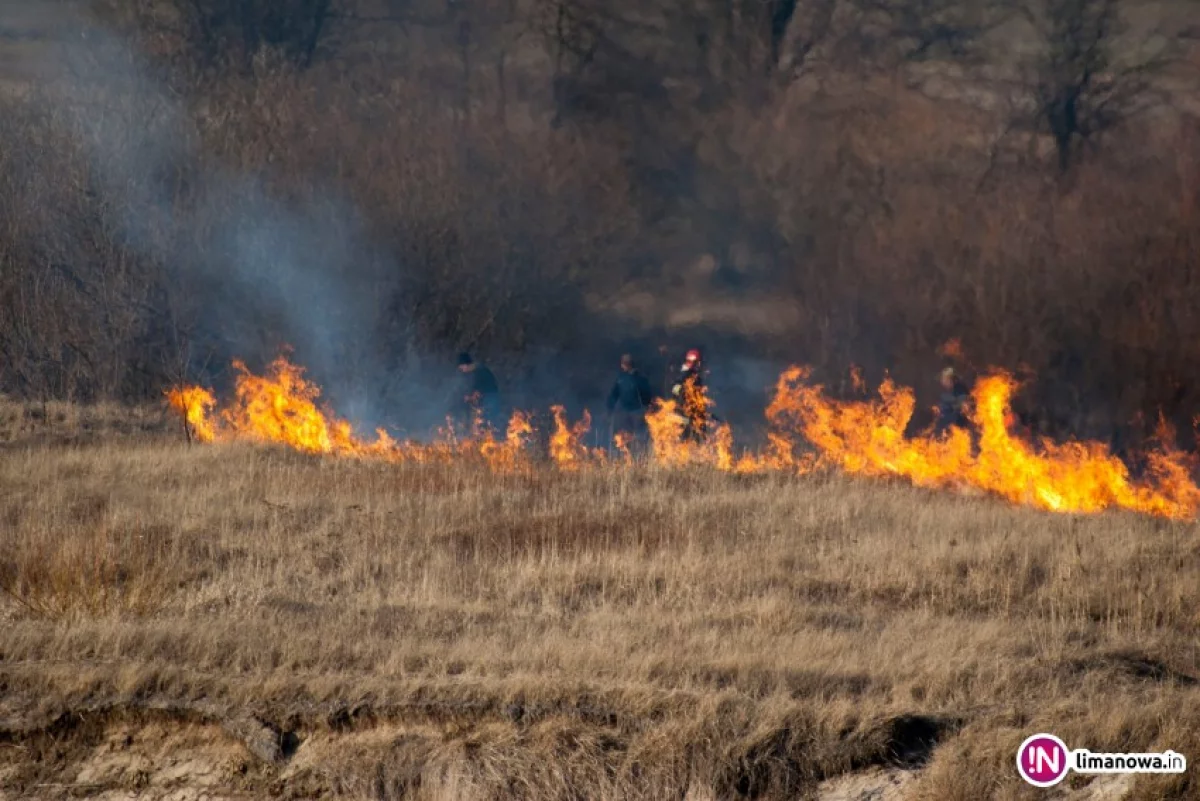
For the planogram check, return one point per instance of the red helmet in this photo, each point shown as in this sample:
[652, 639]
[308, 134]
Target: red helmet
[693, 355]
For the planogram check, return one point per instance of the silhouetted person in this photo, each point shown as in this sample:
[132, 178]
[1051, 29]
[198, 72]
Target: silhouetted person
[952, 404]
[479, 393]
[628, 402]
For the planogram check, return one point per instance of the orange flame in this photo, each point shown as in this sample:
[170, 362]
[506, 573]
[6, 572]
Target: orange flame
[807, 430]
[509, 454]
[685, 434]
[281, 407]
[195, 404]
[856, 380]
[666, 433]
[868, 438]
[1070, 477]
[622, 441]
[566, 443]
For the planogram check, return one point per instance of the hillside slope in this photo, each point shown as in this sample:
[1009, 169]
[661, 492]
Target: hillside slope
[240, 622]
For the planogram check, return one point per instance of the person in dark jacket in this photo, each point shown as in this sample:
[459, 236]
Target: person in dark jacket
[479, 393]
[952, 404]
[628, 402]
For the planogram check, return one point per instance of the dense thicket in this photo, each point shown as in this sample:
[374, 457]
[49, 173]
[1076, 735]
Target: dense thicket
[551, 182]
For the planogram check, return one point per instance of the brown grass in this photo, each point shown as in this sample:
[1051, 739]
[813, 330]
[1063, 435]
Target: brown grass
[428, 632]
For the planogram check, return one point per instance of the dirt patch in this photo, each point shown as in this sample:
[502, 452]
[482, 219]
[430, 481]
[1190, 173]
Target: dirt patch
[188, 754]
[878, 784]
[180, 761]
[164, 761]
[899, 784]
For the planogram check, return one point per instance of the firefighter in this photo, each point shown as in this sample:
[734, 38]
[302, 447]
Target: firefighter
[628, 401]
[689, 393]
[479, 393]
[952, 404]
[690, 373]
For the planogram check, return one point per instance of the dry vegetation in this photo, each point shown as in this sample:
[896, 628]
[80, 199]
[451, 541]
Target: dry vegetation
[553, 181]
[244, 622]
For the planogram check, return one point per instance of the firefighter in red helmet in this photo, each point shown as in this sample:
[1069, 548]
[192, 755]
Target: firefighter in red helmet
[688, 392]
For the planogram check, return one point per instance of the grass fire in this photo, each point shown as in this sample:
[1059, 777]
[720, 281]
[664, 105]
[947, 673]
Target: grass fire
[465, 619]
[808, 431]
[620, 400]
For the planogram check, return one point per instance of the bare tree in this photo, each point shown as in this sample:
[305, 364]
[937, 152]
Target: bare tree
[573, 38]
[1081, 86]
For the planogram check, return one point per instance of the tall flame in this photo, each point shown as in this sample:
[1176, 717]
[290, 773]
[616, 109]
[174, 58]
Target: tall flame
[195, 404]
[807, 430]
[868, 438]
[281, 407]
[567, 447]
[510, 453]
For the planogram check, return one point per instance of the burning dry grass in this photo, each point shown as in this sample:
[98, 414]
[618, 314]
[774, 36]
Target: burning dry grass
[859, 437]
[443, 631]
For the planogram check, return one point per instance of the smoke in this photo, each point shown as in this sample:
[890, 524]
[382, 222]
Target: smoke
[265, 270]
[270, 270]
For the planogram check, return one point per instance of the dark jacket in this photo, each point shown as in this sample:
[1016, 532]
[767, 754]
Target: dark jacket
[631, 393]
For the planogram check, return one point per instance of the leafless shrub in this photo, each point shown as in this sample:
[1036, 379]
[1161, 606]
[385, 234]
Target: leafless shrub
[1086, 81]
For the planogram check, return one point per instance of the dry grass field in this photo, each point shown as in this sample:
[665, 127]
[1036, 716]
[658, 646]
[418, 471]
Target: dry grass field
[235, 622]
